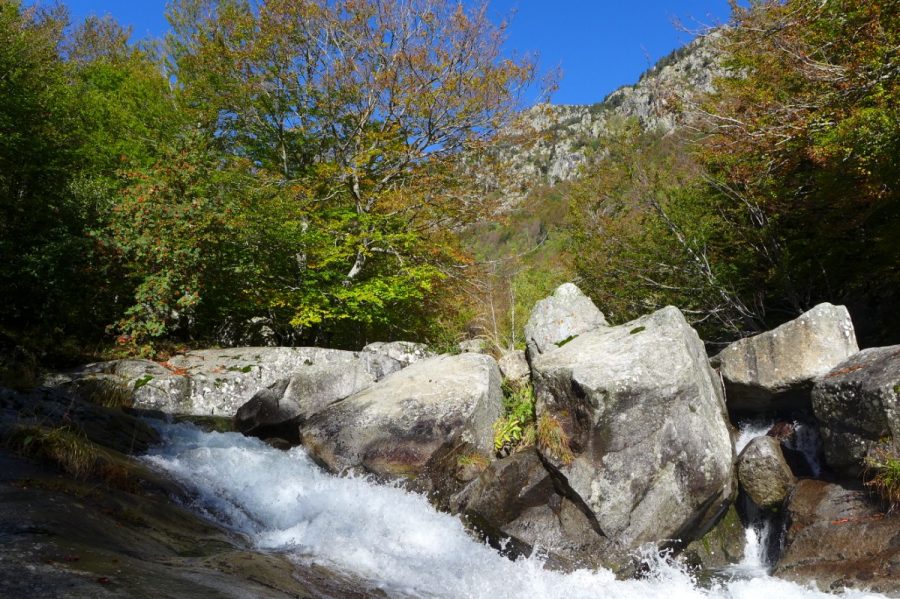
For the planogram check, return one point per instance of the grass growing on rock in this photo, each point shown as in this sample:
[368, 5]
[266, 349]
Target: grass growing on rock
[882, 474]
[67, 448]
[552, 438]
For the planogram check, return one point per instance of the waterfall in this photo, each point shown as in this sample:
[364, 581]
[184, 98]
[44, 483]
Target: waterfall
[394, 540]
[806, 441]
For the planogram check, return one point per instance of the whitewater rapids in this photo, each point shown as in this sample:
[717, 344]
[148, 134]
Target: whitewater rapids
[392, 539]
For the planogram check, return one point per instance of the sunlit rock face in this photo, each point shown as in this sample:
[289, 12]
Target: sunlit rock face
[645, 418]
[559, 318]
[549, 143]
[775, 370]
[412, 422]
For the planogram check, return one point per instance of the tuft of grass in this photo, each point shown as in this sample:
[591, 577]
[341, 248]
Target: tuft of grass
[473, 459]
[65, 447]
[104, 392]
[553, 439]
[882, 473]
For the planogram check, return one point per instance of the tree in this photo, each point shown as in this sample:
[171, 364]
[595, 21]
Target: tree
[781, 195]
[41, 227]
[363, 112]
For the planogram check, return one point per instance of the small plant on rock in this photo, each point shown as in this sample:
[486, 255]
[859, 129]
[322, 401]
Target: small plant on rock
[882, 474]
[516, 428]
[552, 438]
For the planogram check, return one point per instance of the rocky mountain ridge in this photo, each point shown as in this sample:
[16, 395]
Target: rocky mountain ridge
[549, 143]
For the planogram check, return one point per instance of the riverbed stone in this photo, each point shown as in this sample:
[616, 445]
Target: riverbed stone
[858, 406]
[722, 546]
[776, 369]
[515, 504]
[559, 318]
[413, 422]
[651, 452]
[216, 382]
[839, 537]
[764, 474]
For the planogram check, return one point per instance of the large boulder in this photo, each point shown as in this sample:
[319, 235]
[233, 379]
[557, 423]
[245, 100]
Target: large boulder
[318, 382]
[515, 504]
[413, 422]
[558, 319]
[839, 538]
[651, 452]
[858, 406]
[775, 370]
[764, 474]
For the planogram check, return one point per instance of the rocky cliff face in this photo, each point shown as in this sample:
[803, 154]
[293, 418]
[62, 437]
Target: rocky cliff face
[549, 143]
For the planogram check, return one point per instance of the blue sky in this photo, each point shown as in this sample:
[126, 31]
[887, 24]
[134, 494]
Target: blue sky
[599, 44]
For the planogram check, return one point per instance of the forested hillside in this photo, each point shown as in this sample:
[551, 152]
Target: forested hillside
[302, 173]
[747, 202]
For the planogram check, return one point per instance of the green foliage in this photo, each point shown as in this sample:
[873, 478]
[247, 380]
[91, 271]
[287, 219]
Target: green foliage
[882, 471]
[782, 194]
[263, 163]
[515, 429]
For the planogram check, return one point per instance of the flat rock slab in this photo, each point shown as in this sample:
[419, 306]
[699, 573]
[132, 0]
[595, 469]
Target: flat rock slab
[644, 412]
[775, 370]
[216, 382]
[397, 427]
[840, 538]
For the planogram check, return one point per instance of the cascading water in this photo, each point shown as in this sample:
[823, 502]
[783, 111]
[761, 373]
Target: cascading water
[392, 539]
[806, 441]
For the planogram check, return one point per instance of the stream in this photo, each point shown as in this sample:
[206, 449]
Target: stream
[396, 541]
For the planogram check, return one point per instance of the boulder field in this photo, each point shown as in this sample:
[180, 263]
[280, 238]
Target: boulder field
[632, 441]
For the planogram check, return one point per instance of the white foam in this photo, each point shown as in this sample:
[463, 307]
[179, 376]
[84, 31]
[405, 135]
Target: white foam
[749, 430]
[391, 538]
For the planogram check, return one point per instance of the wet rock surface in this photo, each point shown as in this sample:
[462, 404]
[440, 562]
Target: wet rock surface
[122, 532]
[838, 537]
[722, 546]
[858, 405]
[775, 370]
[645, 417]
[516, 505]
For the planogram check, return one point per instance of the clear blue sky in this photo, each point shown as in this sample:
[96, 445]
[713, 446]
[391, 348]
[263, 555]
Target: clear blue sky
[599, 44]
